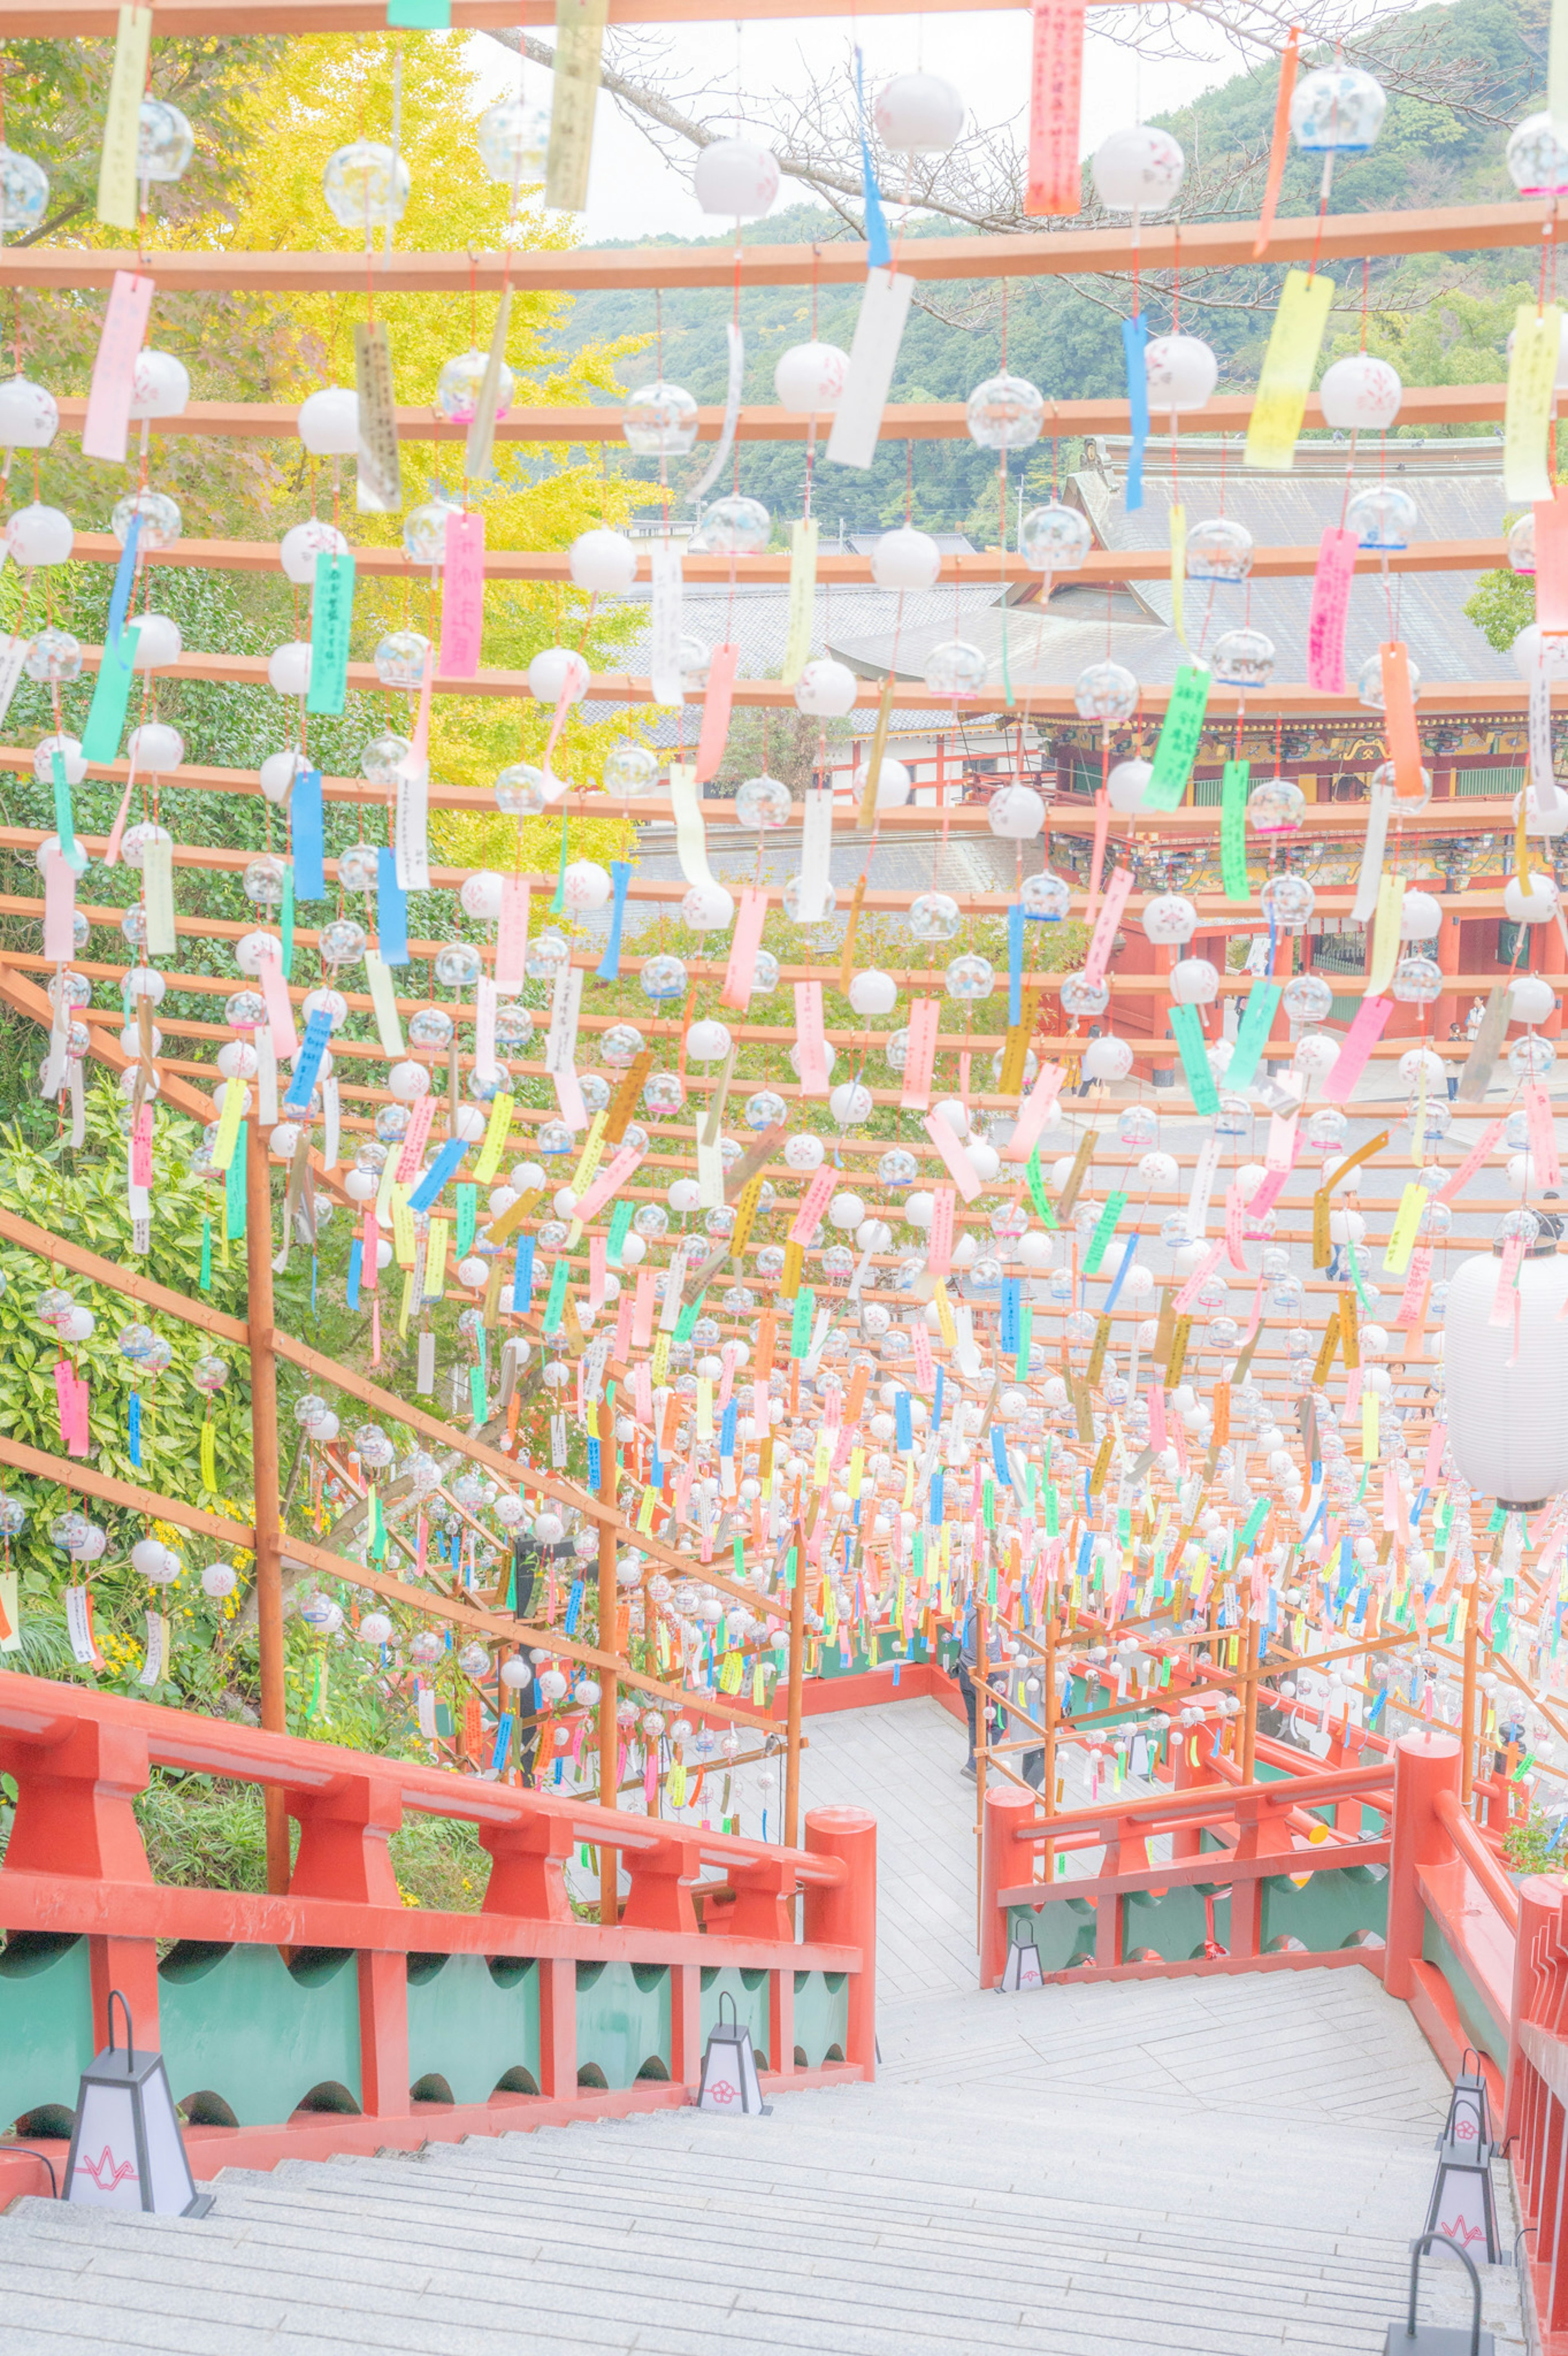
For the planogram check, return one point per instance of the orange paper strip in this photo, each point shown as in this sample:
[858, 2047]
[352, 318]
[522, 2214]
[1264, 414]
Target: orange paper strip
[1278, 147]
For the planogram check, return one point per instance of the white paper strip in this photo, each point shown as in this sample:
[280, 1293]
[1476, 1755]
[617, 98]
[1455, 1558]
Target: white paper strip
[1541, 776]
[267, 1078]
[157, 896]
[411, 837]
[1369, 881]
[1202, 1188]
[383, 1001]
[710, 1174]
[715, 464]
[691, 832]
[664, 624]
[873, 356]
[484, 1025]
[561, 1045]
[12, 652]
[816, 855]
[332, 1111]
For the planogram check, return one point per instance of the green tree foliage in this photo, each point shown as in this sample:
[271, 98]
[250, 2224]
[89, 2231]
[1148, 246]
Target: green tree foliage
[1502, 605]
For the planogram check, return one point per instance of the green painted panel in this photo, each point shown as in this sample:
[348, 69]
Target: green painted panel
[470, 2022]
[623, 2020]
[1482, 2026]
[1329, 1912]
[822, 2016]
[1063, 1931]
[239, 2023]
[1172, 1924]
[46, 2022]
[749, 1991]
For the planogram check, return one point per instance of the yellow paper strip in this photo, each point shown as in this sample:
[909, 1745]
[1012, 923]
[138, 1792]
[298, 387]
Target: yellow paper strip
[1385, 935]
[804, 534]
[1368, 1427]
[496, 1135]
[579, 42]
[435, 1244]
[117, 193]
[1407, 1223]
[402, 1227]
[228, 1124]
[1289, 366]
[1532, 385]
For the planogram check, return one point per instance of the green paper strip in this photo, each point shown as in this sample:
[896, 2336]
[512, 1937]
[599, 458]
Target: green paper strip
[1251, 1033]
[689, 1316]
[1253, 1524]
[1356, 1275]
[801, 1325]
[65, 823]
[1038, 1194]
[206, 1277]
[419, 15]
[1026, 1341]
[331, 614]
[555, 1307]
[1233, 829]
[111, 694]
[467, 1216]
[234, 1191]
[1180, 735]
[559, 901]
[620, 1223]
[477, 1399]
[285, 920]
[1188, 1034]
[1104, 1229]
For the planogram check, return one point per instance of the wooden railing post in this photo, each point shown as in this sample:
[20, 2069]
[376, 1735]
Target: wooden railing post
[1540, 1926]
[266, 1460]
[1424, 1764]
[1004, 1863]
[843, 1913]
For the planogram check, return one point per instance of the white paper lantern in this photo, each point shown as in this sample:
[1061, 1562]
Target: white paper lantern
[894, 784]
[29, 416]
[1535, 906]
[850, 1104]
[155, 748]
[158, 642]
[872, 992]
[556, 672]
[1362, 392]
[809, 379]
[826, 689]
[40, 535]
[845, 1211]
[1507, 1399]
[708, 1042]
[1530, 998]
[160, 385]
[603, 562]
[481, 894]
[1527, 648]
[737, 179]
[803, 1151]
[584, 886]
[907, 560]
[1195, 982]
[278, 773]
[288, 668]
[1138, 170]
[1421, 918]
[1107, 1059]
[329, 423]
[1169, 920]
[1126, 784]
[1015, 813]
[1417, 1060]
[708, 908]
[919, 114]
[1181, 371]
[302, 545]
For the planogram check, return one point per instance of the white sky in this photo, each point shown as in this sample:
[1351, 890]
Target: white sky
[634, 193]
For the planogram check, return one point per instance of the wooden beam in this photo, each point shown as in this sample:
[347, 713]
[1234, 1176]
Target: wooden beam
[1193, 246]
[78, 19]
[73, 1474]
[909, 421]
[128, 1280]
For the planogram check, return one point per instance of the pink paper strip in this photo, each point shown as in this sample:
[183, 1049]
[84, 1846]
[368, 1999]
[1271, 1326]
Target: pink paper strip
[813, 1202]
[421, 1115]
[65, 1401]
[108, 421]
[1501, 1311]
[1199, 1277]
[569, 1099]
[1102, 837]
[609, 1182]
[59, 910]
[925, 1367]
[744, 941]
[1056, 102]
[811, 1039]
[1265, 1195]
[964, 1176]
[1337, 554]
[1281, 1152]
[1156, 1416]
[1542, 1136]
[141, 1149]
[555, 787]
[369, 1257]
[622, 1342]
[643, 1317]
[1256, 1318]
[1416, 1283]
[280, 1012]
[716, 698]
[81, 1435]
[1235, 1211]
[1485, 1144]
[939, 1251]
[1360, 1040]
[925, 1024]
[1104, 934]
[511, 933]
[117, 831]
[597, 1247]
[1435, 1448]
[1034, 1113]
[1552, 563]
[462, 596]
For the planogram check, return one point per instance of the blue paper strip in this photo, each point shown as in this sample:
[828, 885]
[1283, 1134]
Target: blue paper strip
[523, 1274]
[726, 1428]
[1128, 1249]
[392, 911]
[317, 1031]
[1016, 965]
[306, 838]
[1012, 1299]
[902, 1422]
[502, 1751]
[608, 967]
[444, 1167]
[878, 247]
[937, 1402]
[125, 579]
[1135, 337]
[935, 1515]
[356, 1261]
[999, 1452]
[133, 1426]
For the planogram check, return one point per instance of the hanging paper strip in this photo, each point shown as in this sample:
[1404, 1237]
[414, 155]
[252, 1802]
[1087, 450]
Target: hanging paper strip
[117, 158]
[1134, 340]
[816, 855]
[920, 1057]
[1033, 1114]
[1181, 731]
[1251, 1033]
[1179, 569]
[878, 247]
[726, 442]
[1188, 1032]
[331, 619]
[1385, 935]
[664, 564]
[477, 455]
[965, 1176]
[119, 340]
[1527, 411]
[1360, 1040]
[1331, 610]
[744, 941]
[1399, 709]
[392, 913]
[1279, 145]
[1289, 366]
[378, 481]
[1102, 938]
[1234, 830]
[305, 835]
[106, 714]
[874, 354]
[691, 832]
[13, 655]
[1552, 563]
[608, 967]
[579, 45]
[803, 536]
[811, 1039]
[158, 897]
[1054, 179]
[59, 920]
[716, 698]
[411, 821]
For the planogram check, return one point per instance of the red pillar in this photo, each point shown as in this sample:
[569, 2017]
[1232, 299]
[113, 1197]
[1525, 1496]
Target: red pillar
[1552, 952]
[843, 1913]
[1004, 1864]
[1540, 1925]
[1447, 1009]
[1424, 1764]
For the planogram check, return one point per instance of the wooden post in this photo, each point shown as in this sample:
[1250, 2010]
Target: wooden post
[609, 1686]
[264, 1451]
[1467, 1703]
[1249, 1681]
[1049, 1786]
[797, 1671]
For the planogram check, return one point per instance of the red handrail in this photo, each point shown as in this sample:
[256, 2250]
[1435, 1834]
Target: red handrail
[1449, 1810]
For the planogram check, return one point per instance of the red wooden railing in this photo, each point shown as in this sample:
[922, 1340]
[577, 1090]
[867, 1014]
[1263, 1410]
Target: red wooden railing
[76, 1868]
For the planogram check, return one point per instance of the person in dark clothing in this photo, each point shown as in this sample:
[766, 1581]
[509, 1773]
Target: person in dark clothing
[1032, 1766]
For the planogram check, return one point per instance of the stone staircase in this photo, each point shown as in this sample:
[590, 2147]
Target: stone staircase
[1221, 2165]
